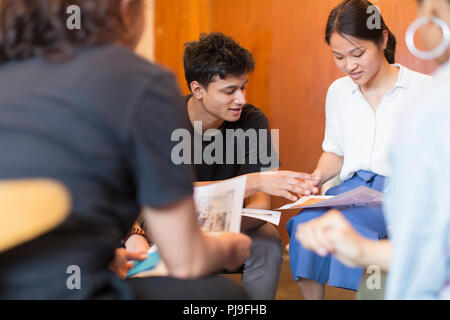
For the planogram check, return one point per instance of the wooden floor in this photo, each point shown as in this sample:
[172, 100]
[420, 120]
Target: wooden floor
[288, 289]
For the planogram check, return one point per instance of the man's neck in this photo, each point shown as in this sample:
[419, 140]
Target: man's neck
[198, 112]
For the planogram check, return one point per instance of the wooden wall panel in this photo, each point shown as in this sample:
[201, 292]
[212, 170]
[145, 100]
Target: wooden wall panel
[247, 24]
[294, 65]
[398, 16]
[302, 70]
[177, 22]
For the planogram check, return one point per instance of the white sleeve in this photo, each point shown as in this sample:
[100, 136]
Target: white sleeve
[331, 140]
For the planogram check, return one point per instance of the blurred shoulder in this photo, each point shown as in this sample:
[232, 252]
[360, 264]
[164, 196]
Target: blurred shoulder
[416, 78]
[428, 118]
[116, 63]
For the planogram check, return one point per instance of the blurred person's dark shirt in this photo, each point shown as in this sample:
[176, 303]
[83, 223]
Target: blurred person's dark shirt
[101, 124]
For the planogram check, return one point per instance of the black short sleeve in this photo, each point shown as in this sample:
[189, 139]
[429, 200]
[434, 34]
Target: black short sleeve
[264, 151]
[158, 113]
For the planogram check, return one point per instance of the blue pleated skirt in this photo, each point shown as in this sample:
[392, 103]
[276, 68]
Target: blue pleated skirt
[368, 221]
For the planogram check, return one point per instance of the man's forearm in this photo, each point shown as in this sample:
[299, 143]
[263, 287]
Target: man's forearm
[251, 187]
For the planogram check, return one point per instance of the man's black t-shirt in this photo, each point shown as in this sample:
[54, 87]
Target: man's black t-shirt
[246, 147]
[101, 124]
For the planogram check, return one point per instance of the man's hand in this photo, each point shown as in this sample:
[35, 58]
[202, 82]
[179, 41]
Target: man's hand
[238, 246]
[332, 234]
[122, 262]
[285, 183]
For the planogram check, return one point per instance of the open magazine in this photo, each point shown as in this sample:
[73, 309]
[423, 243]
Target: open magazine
[219, 209]
[219, 205]
[361, 196]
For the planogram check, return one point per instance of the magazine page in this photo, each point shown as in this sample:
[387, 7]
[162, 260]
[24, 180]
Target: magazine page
[219, 205]
[360, 196]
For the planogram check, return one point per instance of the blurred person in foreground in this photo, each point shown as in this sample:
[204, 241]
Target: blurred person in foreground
[79, 106]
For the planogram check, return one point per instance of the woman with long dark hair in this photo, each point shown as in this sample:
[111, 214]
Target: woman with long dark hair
[361, 112]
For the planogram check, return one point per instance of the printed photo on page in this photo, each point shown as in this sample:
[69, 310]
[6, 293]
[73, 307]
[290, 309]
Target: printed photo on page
[219, 205]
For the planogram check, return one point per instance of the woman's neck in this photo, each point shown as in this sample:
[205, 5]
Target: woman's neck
[384, 79]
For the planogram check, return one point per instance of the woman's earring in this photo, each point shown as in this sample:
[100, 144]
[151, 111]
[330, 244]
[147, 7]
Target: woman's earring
[436, 52]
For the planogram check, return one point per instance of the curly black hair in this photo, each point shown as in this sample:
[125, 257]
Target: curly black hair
[215, 54]
[31, 28]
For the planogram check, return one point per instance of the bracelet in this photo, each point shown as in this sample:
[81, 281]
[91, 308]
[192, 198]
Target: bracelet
[133, 231]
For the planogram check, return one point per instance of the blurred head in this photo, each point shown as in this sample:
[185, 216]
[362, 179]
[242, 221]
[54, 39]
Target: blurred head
[431, 34]
[39, 27]
[216, 69]
[359, 39]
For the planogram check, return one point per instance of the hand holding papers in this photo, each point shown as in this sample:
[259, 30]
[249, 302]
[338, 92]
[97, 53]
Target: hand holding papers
[361, 196]
[218, 207]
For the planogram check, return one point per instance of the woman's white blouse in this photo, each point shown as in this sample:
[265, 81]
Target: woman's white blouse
[359, 134]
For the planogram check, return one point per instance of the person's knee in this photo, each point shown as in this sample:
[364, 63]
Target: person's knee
[267, 243]
[305, 216]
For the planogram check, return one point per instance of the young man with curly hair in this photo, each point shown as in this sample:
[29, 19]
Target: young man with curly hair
[230, 138]
[216, 70]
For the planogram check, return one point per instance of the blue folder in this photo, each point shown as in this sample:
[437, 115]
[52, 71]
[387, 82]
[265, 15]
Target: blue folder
[148, 264]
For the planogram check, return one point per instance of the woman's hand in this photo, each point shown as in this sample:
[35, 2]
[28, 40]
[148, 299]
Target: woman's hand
[285, 184]
[314, 184]
[123, 261]
[332, 234]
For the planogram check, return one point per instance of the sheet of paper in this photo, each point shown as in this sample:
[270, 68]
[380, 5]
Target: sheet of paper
[304, 202]
[266, 215]
[361, 196]
[219, 205]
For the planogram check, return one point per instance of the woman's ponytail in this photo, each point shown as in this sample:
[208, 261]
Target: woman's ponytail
[389, 52]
